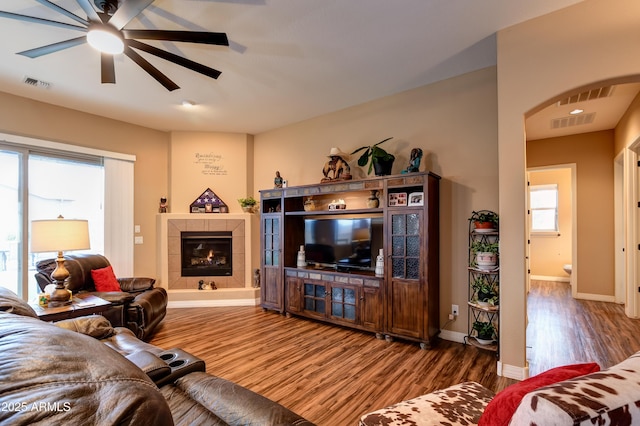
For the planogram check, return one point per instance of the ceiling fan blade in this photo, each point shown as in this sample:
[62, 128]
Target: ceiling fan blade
[179, 60]
[92, 15]
[26, 18]
[107, 68]
[150, 69]
[127, 11]
[63, 11]
[52, 48]
[183, 36]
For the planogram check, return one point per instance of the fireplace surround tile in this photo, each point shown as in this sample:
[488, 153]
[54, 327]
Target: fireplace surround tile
[176, 226]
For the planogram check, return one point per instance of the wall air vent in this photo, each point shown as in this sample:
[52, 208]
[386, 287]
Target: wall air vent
[36, 83]
[589, 95]
[572, 120]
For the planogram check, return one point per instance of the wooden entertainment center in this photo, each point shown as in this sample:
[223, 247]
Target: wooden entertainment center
[403, 302]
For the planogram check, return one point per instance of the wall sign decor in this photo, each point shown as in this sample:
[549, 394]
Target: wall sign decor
[212, 164]
[208, 202]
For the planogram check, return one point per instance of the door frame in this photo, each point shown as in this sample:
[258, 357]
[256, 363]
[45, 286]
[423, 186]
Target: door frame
[574, 222]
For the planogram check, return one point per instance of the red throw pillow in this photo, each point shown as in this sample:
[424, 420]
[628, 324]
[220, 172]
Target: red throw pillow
[504, 404]
[105, 279]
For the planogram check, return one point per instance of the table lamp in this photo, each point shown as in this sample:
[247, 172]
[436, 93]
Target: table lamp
[59, 235]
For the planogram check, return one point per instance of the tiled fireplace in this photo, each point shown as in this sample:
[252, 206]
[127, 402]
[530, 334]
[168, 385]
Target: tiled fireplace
[231, 272]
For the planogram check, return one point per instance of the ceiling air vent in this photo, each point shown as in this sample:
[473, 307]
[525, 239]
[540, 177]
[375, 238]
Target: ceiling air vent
[589, 95]
[572, 120]
[36, 83]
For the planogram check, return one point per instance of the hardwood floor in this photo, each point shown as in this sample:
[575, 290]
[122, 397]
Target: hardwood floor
[327, 374]
[562, 330]
[332, 375]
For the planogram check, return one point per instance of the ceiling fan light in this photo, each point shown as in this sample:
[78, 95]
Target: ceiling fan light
[105, 39]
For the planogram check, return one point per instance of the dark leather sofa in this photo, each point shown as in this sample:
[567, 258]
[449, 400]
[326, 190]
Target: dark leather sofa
[83, 371]
[140, 306]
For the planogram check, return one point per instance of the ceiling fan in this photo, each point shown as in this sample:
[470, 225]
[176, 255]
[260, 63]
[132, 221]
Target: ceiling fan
[105, 31]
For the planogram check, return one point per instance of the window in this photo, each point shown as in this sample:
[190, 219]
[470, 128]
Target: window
[41, 180]
[543, 203]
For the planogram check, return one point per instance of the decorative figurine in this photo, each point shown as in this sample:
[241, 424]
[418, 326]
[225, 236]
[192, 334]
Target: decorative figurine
[337, 167]
[278, 181]
[211, 285]
[256, 278]
[414, 161]
[163, 205]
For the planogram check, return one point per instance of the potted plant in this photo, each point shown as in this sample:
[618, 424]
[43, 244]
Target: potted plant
[484, 220]
[485, 331]
[486, 254]
[379, 159]
[247, 204]
[485, 292]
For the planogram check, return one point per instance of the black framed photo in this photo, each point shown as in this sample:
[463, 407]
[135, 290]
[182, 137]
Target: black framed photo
[416, 199]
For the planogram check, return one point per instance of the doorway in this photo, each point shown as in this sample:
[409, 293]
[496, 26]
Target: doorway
[553, 238]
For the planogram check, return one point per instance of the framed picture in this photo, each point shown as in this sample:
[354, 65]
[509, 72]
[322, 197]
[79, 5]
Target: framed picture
[398, 199]
[416, 199]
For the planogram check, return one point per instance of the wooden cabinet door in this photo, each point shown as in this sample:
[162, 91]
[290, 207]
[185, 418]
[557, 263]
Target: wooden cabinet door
[405, 296]
[271, 291]
[294, 294]
[371, 311]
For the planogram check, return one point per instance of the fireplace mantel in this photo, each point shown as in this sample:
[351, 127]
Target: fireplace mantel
[237, 290]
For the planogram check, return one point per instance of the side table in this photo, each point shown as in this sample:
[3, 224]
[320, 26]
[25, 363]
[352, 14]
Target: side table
[82, 304]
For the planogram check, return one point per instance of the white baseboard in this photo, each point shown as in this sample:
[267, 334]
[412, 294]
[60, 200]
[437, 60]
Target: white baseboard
[595, 297]
[212, 303]
[512, 371]
[247, 296]
[452, 336]
[550, 278]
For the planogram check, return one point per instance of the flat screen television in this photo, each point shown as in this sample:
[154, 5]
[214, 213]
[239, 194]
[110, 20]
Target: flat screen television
[343, 242]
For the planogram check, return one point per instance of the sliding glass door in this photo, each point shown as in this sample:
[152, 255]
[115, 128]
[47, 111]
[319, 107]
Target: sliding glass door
[10, 219]
[53, 184]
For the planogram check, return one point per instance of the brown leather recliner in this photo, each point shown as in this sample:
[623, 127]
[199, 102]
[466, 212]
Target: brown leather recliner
[82, 371]
[139, 306]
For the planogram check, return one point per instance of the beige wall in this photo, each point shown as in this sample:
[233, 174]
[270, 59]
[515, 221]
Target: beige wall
[628, 128]
[25, 117]
[549, 252]
[539, 61]
[453, 121]
[219, 161]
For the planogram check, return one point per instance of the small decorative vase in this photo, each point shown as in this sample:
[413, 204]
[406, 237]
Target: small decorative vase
[302, 262]
[380, 264]
[372, 201]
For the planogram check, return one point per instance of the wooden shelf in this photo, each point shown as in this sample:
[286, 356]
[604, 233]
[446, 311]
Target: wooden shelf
[471, 340]
[490, 308]
[333, 212]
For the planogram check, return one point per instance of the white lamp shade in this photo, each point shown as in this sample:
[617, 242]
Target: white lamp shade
[59, 235]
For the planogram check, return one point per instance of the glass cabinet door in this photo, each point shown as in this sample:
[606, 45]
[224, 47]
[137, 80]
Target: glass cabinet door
[343, 303]
[271, 241]
[315, 297]
[405, 245]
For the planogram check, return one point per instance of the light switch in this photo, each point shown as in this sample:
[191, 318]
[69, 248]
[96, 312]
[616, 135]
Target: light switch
[138, 240]
[136, 229]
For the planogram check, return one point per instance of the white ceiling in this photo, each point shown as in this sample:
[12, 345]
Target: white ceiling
[288, 60]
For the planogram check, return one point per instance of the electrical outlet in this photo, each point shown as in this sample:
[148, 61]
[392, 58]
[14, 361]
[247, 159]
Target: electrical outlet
[455, 310]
